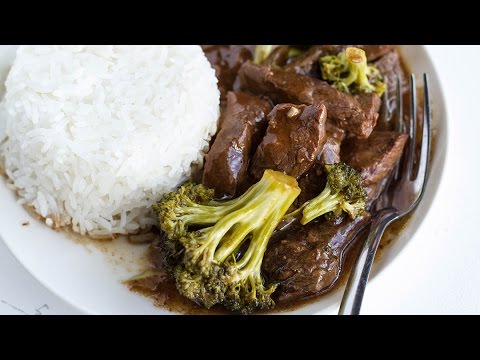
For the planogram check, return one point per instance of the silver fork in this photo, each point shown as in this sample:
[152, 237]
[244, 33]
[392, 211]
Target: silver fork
[410, 178]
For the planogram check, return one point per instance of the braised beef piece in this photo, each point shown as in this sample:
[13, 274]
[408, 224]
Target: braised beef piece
[375, 158]
[306, 260]
[331, 149]
[390, 66]
[279, 85]
[350, 114]
[226, 60]
[307, 63]
[294, 138]
[370, 103]
[313, 181]
[357, 115]
[243, 126]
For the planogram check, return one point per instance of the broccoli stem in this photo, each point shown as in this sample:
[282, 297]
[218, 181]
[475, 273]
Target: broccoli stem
[269, 201]
[251, 261]
[358, 69]
[321, 205]
[191, 213]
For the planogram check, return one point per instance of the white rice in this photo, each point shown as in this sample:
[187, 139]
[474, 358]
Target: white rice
[94, 135]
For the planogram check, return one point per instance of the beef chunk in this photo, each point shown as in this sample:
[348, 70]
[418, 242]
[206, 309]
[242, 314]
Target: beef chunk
[284, 86]
[226, 60]
[313, 182]
[374, 158]
[306, 260]
[390, 66]
[331, 149]
[243, 126]
[294, 138]
[279, 85]
[307, 63]
[356, 115]
[370, 103]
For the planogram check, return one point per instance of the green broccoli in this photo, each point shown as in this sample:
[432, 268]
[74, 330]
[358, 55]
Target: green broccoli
[343, 193]
[349, 72]
[216, 248]
[294, 52]
[262, 52]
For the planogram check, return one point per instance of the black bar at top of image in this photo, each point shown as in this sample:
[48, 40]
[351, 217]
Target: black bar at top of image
[245, 22]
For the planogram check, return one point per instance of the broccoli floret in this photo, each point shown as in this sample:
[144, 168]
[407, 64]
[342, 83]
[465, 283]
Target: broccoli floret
[217, 247]
[349, 72]
[184, 207]
[343, 193]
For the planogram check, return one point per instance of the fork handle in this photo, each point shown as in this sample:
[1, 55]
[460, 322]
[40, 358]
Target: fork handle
[357, 282]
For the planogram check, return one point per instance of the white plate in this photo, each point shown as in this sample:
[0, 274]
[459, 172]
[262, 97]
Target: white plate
[90, 277]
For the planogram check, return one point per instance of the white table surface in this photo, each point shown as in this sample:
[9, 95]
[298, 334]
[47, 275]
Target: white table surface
[448, 235]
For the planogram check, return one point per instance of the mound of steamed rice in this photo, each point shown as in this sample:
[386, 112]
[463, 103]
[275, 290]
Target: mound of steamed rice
[94, 135]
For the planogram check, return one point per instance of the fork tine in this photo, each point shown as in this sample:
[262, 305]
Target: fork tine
[412, 128]
[424, 160]
[399, 126]
[399, 112]
[407, 162]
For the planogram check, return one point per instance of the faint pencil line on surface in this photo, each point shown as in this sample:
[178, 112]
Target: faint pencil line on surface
[38, 311]
[13, 307]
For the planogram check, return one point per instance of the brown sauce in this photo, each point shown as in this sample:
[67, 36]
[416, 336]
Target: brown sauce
[161, 290]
